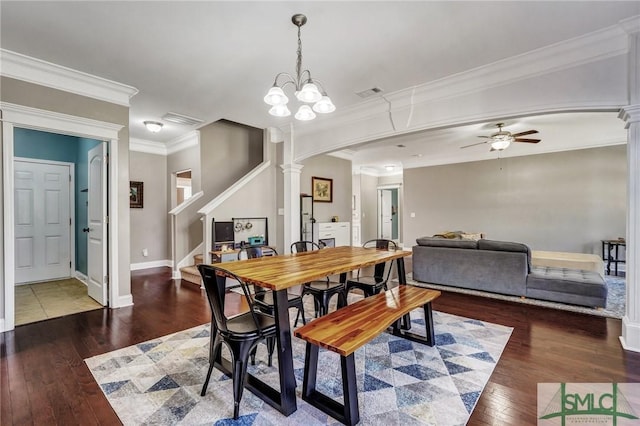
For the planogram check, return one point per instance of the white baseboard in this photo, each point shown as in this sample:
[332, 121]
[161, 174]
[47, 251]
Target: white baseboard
[81, 277]
[152, 264]
[176, 275]
[123, 301]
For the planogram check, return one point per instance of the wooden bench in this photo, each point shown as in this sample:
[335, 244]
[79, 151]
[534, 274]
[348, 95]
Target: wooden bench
[347, 329]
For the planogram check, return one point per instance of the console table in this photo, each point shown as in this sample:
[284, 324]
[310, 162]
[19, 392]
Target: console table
[611, 253]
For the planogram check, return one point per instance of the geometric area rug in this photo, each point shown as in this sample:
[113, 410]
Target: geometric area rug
[400, 382]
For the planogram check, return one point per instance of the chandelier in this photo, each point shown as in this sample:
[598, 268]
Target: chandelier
[306, 88]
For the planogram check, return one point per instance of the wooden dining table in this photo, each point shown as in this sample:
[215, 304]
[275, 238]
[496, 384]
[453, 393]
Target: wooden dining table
[279, 273]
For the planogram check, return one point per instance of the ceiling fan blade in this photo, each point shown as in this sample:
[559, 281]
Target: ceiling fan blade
[473, 144]
[526, 140]
[492, 149]
[485, 137]
[528, 132]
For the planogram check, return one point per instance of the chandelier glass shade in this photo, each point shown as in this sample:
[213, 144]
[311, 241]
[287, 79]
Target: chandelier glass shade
[306, 89]
[501, 140]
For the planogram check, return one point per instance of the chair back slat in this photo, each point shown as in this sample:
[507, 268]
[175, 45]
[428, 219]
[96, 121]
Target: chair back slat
[214, 279]
[379, 268]
[304, 246]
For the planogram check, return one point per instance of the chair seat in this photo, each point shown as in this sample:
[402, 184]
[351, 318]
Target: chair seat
[243, 326]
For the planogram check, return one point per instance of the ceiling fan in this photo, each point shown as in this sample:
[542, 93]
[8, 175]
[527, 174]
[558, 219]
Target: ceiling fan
[502, 138]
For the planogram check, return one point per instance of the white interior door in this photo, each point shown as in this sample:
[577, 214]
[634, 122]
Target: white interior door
[385, 214]
[97, 224]
[42, 221]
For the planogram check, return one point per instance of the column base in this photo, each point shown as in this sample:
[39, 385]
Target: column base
[630, 338]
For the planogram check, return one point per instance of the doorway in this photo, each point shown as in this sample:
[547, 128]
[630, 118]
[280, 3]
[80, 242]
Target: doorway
[389, 213]
[51, 201]
[20, 117]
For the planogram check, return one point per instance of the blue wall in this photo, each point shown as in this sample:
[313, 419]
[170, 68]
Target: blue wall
[54, 147]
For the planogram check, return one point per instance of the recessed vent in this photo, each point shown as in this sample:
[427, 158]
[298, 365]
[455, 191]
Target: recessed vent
[369, 92]
[181, 119]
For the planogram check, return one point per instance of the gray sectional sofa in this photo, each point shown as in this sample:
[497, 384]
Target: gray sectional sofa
[503, 267]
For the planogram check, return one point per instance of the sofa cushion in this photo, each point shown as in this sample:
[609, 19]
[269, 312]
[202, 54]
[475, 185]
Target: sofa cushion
[577, 285]
[443, 242]
[506, 246]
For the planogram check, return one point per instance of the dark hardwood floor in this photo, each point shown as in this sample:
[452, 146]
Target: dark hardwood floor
[44, 380]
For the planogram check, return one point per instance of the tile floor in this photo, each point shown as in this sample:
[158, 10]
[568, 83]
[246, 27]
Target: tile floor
[40, 301]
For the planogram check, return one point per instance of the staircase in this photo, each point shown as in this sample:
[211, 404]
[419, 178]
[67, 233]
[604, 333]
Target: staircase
[190, 273]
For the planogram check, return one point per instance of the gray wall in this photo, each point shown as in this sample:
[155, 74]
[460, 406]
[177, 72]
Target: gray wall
[566, 201]
[227, 152]
[149, 224]
[36, 96]
[333, 168]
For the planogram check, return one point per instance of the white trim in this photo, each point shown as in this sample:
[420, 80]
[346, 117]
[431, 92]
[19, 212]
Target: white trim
[32, 118]
[81, 277]
[33, 70]
[149, 147]
[186, 203]
[151, 264]
[183, 142]
[40, 119]
[175, 145]
[234, 188]
[124, 301]
[188, 259]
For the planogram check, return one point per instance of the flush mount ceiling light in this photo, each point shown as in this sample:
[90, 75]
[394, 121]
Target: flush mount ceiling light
[307, 89]
[390, 167]
[153, 126]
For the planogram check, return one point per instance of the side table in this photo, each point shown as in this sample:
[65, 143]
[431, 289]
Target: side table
[611, 254]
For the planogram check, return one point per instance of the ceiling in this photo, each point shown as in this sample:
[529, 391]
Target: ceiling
[214, 60]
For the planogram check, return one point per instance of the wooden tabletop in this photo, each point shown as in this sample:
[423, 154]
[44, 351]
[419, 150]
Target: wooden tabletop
[284, 271]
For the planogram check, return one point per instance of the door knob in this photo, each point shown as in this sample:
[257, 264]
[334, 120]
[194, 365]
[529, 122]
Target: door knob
[86, 229]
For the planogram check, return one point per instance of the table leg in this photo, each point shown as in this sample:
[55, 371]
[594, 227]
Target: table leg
[285, 353]
[402, 280]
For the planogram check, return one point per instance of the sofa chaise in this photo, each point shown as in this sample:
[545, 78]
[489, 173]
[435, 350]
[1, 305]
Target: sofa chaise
[503, 267]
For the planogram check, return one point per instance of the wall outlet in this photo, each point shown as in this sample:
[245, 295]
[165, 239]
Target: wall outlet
[413, 214]
[145, 252]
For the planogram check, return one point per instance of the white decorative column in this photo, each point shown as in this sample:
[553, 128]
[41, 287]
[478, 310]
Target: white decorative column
[630, 338]
[291, 172]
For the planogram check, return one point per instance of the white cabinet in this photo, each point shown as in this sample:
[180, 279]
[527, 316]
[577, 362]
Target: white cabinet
[332, 234]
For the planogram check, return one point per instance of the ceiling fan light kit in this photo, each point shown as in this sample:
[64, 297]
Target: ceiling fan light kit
[306, 89]
[502, 139]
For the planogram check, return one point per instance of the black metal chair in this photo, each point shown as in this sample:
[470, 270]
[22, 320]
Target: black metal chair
[263, 297]
[241, 333]
[321, 290]
[371, 285]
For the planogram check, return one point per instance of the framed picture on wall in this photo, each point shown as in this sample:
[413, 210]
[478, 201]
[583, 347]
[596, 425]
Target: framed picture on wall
[136, 194]
[322, 189]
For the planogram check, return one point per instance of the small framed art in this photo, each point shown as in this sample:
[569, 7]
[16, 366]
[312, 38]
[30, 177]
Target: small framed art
[322, 189]
[136, 195]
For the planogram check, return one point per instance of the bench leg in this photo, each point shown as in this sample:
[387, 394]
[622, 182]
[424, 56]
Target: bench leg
[350, 390]
[310, 371]
[428, 322]
[347, 413]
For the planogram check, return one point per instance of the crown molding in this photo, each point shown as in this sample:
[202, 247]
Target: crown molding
[630, 114]
[345, 154]
[149, 147]
[159, 148]
[183, 142]
[596, 46]
[21, 67]
[631, 25]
